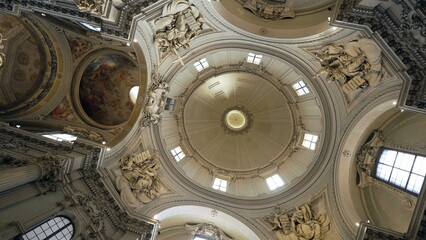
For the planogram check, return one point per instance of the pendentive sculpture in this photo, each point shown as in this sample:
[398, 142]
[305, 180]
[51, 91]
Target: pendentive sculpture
[93, 6]
[301, 224]
[356, 64]
[179, 23]
[156, 100]
[269, 9]
[140, 171]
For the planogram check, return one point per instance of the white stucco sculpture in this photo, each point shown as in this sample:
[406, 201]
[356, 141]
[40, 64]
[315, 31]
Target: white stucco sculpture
[139, 183]
[93, 6]
[301, 224]
[179, 23]
[356, 64]
[270, 10]
[156, 100]
[2, 55]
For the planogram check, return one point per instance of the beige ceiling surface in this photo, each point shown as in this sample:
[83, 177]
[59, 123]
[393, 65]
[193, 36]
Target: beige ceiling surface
[269, 135]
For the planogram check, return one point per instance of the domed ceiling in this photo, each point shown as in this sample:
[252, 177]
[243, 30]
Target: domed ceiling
[238, 121]
[105, 86]
[242, 122]
[277, 18]
[25, 64]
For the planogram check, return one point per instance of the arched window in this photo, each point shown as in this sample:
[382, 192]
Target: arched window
[57, 228]
[402, 169]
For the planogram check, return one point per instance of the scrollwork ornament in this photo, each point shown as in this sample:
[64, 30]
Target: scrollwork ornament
[155, 100]
[53, 166]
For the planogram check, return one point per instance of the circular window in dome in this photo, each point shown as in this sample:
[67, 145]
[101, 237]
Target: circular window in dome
[106, 89]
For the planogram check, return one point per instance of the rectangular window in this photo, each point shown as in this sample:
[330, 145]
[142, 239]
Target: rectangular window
[202, 64]
[310, 141]
[178, 154]
[405, 170]
[220, 184]
[300, 88]
[274, 182]
[254, 58]
[170, 104]
[61, 137]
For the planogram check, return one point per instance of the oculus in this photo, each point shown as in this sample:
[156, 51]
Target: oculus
[237, 120]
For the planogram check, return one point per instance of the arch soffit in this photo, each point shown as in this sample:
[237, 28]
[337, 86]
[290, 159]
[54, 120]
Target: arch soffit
[344, 167]
[254, 229]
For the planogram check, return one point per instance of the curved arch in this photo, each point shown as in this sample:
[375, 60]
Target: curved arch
[228, 221]
[344, 167]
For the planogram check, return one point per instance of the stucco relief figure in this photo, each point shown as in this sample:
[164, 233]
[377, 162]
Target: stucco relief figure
[179, 23]
[140, 171]
[156, 100]
[84, 133]
[2, 55]
[269, 10]
[356, 64]
[303, 224]
[93, 6]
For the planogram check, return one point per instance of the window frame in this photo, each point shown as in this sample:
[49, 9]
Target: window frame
[200, 63]
[220, 184]
[374, 173]
[310, 142]
[255, 58]
[272, 177]
[304, 88]
[71, 223]
[177, 154]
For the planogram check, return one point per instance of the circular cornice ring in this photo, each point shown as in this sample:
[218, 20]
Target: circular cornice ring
[236, 120]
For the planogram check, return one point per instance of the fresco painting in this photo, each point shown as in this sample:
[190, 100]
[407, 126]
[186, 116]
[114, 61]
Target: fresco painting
[104, 89]
[62, 112]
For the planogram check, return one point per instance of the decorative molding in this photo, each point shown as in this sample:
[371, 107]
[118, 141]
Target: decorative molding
[84, 133]
[270, 10]
[116, 21]
[302, 223]
[248, 119]
[52, 168]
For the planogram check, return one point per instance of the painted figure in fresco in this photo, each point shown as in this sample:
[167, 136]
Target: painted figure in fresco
[105, 86]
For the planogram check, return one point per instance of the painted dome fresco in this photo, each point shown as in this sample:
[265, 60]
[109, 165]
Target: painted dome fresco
[105, 86]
